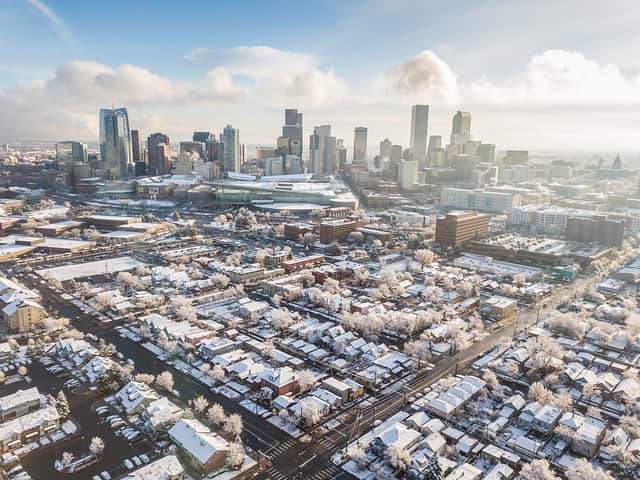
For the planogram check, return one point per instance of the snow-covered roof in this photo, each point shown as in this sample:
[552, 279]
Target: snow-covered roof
[134, 394]
[398, 435]
[161, 412]
[20, 397]
[196, 438]
[164, 468]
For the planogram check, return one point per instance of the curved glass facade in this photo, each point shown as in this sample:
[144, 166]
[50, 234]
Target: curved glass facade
[115, 142]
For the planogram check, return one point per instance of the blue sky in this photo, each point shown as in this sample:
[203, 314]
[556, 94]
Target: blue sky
[538, 75]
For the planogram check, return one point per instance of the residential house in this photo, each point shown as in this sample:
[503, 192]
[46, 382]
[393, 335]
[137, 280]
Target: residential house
[19, 403]
[202, 449]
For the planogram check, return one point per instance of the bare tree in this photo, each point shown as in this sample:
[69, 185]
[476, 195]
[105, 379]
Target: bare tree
[233, 425]
[424, 257]
[216, 414]
[630, 424]
[585, 470]
[235, 455]
[281, 318]
[97, 446]
[217, 373]
[539, 393]
[537, 470]
[200, 404]
[306, 380]
[309, 411]
[165, 380]
[67, 459]
[398, 458]
[145, 378]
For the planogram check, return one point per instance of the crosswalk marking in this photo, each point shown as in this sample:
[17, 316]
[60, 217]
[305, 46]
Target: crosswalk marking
[280, 448]
[326, 442]
[274, 474]
[327, 473]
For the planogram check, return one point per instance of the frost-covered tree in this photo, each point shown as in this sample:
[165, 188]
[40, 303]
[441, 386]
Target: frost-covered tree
[233, 425]
[165, 380]
[537, 470]
[306, 380]
[309, 411]
[199, 404]
[585, 470]
[217, 373]
[216, 414]
[62, 404]
[424, 257]
[398, 458]
[281, 318]
[235, 455]
[67, 459]
[97, 446]
[539, 393]
[145, 378]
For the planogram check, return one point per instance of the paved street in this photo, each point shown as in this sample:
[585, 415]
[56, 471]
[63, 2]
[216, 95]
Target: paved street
[290, 457]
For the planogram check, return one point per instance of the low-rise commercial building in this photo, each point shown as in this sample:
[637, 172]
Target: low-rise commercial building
[458, 227]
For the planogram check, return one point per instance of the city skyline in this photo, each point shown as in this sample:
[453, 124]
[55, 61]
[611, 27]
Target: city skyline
[560, 92]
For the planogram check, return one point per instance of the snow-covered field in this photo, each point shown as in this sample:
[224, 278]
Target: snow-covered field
[89, 269]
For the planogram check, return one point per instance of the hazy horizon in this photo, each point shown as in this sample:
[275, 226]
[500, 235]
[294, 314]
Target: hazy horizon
[529, 74]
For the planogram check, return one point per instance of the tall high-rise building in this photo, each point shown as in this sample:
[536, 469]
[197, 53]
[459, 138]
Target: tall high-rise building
[201, 136]
[231, 154]
[322, 151]
[341, 154]
[385, 149]
[292, 130]
[461, 128]
[394, 161]
[135, 146]
[359, 146]
[461, 125]
[408, 174]
[435, 142]
[191, 147]
[291, 116]
[487, 152]
[158, 154]
[419, 128]
[214, 150]
[68, 153]
[329, 164]
[115, 142]
[617, 162]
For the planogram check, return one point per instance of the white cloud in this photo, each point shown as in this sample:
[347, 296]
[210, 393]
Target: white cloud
[425, 77]
[556, 99]
[66, 105]
[219, 86]
[276, 76]
[560, 79]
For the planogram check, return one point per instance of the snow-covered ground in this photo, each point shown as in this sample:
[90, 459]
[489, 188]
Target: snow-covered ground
[89, 269]
[285, 426]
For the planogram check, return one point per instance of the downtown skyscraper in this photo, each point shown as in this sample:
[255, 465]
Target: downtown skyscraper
[461, 128]
[231, 153]
[359, 146]
[291, 137]
[322, 151]
[418, 138]
[116, 150]
[158, 154]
